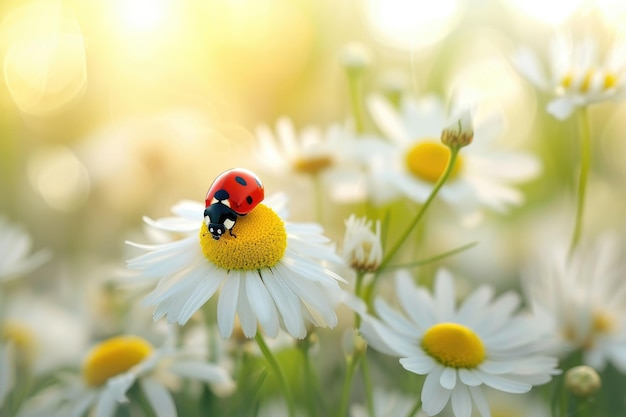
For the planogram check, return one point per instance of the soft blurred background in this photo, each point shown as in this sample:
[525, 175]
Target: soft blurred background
[111, 110]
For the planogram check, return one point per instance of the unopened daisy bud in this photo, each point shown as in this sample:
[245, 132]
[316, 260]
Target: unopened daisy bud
[355, 57]
[362, 249]
[353, 343]
[582, 381]
[460, 132]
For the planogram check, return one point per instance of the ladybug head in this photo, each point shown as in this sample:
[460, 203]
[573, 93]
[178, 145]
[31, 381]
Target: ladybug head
[216, 230]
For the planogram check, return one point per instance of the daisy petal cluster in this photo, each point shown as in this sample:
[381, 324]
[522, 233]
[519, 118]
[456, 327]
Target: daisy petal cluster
[273, 273]
[362, 248]
[582, 296]
[415, 157]
[578, 73]
[482, 342]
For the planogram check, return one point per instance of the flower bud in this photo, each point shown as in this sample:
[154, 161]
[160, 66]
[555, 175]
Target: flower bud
[582, 381]
[355, 57]
[460, 132]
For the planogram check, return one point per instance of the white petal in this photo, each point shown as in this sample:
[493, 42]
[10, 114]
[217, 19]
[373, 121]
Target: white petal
[420, 365]
[416, 302]
[434, 396]
[201, 371]
[384, 339]
[504, 384]
[527, 63]
[395, 320]
[561, 108]
[119, 385]
[287, 302]
[444, 295]
[481, 403]
[469, 377]
[205, 290]
[247, 317]
[461, 401]
[227, 305]
[159, 398]
[387, 119]
[106, 405]
[448, 378]
[262, 303]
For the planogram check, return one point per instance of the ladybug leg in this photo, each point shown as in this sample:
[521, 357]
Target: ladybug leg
[231, 233]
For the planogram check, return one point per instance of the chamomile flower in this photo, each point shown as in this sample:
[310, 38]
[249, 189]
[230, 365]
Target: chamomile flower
[15, 246]
[113, 366]
[314, 152]
[362, 248]
[460, 350]
[583, 297]
[415, 157]
[578, 73]
[273, 272]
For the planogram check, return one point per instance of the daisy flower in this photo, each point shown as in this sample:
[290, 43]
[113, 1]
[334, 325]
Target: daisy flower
[482, 342]
[15, 246]
[274, 272]
[414, 158]
[113, 366]
[578, 74]
[314, 152]
[362, 248]
[583, 297]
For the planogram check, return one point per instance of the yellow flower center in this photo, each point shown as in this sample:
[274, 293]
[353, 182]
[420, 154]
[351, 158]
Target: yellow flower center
[23, 338]
[113, 357]
[427, 160]
[312, 165]
[454, 345]
[601, 324]
[260, 242]
[609, 80]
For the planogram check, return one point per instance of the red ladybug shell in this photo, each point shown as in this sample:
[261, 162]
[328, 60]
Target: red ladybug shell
[238, 188]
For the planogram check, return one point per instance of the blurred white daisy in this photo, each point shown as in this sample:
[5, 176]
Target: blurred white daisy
[15, 246]
[482, 342]
[113, 366]
[327, 153]
[362, 248]
[582, 296]
[273, 272]
[414, 157]
[578, 74]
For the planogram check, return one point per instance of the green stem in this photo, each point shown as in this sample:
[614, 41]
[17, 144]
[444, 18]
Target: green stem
[352, 361]
[416, 407]
[354, 78]
[358, 288]
[369, 388]
[454, 152]
[310, 379]
[585, 163]
[278, 372]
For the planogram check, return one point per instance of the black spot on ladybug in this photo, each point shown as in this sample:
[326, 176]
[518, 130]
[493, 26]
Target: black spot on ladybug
[249, 199]
[221, 195]
[240, 180]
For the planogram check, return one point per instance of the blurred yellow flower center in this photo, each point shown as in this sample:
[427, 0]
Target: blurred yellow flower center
[260, 243]
[454, 345]
[23, 338]
[609, 80]
[113, 357]
[428, 160]
[312, 165]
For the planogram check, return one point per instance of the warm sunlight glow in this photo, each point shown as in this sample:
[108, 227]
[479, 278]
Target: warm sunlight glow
[44, 65]
[411, 23]
[143, 15]
[548, 11]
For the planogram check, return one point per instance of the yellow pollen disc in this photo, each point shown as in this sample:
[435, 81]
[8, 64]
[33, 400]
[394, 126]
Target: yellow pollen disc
[584, 87]
[260, 242]
[566, 82]
[454, 345]
[23, 338]
[312, 165]
[113, 357]
[427, 160]
[610, 80]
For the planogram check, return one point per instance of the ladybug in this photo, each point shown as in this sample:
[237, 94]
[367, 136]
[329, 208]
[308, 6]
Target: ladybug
[235, 192]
